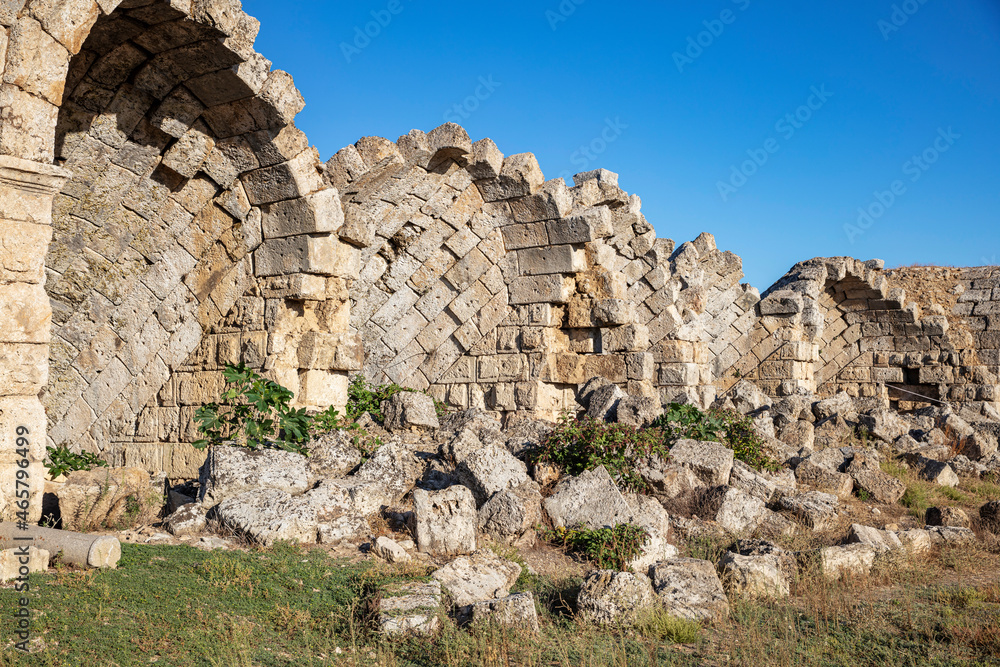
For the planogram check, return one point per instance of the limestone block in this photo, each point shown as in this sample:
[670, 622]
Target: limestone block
[36, 63]
[819, 478]
[26, 123]
[781, 302]
[690, 588]
[410, 609]
[266, 515]
[25, 313]
[849, 559]
[288, 180]
[190, 151]
[551, 202]
[640, 366]
[614, 311]
[449, 142]
[229, 471]
[592, 224]
[882, 488]
[516, 611]
[97, 498]
[541, 289]
[188, 519]
[519, 177]
[316, 213]
[22, 251]
[297, 254]
[330, 351]
[491, 470]
[735, 510]
[551, 259]
[608, 597]
[410, 409]
[477, 577]
[753, 576]
[710, 461]
[951, 517]
[602, 403]
[816, 510]
[511, 513]
[322, 388]
[24, 369]
[628, 338]
[939, 472]
[487, 160]
[445, 521]
[679, 375]
[591, 499]
[12, 560]
[638, 411]
[390, 551]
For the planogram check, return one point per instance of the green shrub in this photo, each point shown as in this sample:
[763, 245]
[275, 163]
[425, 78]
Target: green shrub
[608, 548]
[578, 445]
[254, 413]
[363, 397]
[60, 460]
[727, 427]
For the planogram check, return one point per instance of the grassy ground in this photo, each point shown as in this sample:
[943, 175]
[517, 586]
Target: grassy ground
[289, 606]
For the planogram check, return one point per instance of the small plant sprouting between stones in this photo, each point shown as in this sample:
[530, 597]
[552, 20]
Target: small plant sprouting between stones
[608, 548]
[363, 397]
[60, 460]
[254, 412]
[578, 445]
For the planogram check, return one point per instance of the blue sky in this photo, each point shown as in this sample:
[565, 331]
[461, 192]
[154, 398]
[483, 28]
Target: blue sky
[767, 124]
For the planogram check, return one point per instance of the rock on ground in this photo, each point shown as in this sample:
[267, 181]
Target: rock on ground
[710, 461]
[92, 499]
[591, 499]
[491, 470]
[332, 455]
[410, 608]
[268, 515]
[389, 551]
[187, 520]
[819, 478]
[753, 576]
[512, 513]
[649, 514]
[881, 487]
[230, 471]
[394, 469]
[816, 510]
[609, 597]
[409, 409]
[10, 562]
[951, 517]
[445, 521]
[690, 588]
[480, 576]
[735, 510]
[851, 559]
[517, 611]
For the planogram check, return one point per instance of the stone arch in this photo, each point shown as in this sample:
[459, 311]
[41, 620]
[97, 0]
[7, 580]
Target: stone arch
[189, 209]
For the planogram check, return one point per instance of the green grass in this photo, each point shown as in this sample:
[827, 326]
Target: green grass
[291, 606]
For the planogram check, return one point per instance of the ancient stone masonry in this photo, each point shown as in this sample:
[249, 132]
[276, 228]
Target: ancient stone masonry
[192, 226]
[487, 286]
[195, 231]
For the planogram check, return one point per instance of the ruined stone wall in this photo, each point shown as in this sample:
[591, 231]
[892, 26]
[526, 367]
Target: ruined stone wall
[195, 230]
[838, 324]
[487, 286]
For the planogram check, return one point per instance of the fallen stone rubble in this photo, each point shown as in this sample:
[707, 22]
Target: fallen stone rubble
[455, 488]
